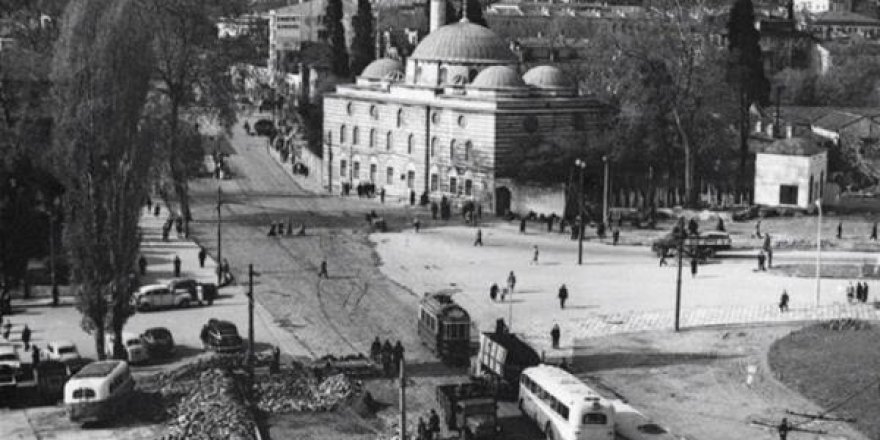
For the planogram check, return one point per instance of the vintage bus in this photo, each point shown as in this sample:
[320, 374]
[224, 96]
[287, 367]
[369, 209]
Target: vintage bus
[444, 327]
[563, 406]
[98, 391]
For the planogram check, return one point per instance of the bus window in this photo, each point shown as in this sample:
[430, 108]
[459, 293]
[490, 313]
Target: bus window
[563, 411]
[84, 393]
[595, 419]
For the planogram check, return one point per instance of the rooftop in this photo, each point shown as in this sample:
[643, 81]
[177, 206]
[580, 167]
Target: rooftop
[794, 146]
[464, 42]
[843, 17]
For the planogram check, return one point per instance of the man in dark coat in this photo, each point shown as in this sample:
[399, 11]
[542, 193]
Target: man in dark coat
[783, 301]
[387, 351]
[26, 337]
[176, 266]
[720, 225]
[412, 197]
[382, 195]
[761, 259]
[615, 236]
[156, 210]
[493, 291]
[397, 355]
[554, 335]
[35, 355]
[874, 232]
[323, 271]
[434, 210]
[433, 423]
[839, 230]
[522, 226]
[563, 295]
[693, 227]
[142, 265]
[479, 240]
[178, 225]
[203, 254]
[694, 265]
[376, 350]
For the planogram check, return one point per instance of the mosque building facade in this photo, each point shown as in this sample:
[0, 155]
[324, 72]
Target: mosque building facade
[447, 122]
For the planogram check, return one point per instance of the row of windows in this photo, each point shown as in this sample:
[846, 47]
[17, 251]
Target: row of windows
[374, 113]
[457, 330]
[429, 320]
[539, 392]
[374, 169]
[454, 187]
[410, 141]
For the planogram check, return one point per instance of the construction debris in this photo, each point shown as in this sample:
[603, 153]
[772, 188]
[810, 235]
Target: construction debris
[291, 391]
[213, 408]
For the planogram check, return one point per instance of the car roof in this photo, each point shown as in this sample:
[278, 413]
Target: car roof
[222, 324]
[150, 287]
[62, 343]
[6, 349]
[157, 330]
[183, 280]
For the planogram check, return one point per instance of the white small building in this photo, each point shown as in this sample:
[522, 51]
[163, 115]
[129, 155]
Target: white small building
[790, 172]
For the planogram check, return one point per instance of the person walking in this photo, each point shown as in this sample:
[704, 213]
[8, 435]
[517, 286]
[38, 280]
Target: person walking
[382, 195]
[555, 333]
[26, 337]
[156, 210]
[783, 301]
[783, 429]
[694, 267]
[511, 282]
[433, 424]
[203, 254]
[761, 258]
[178, 225]
[522, 226]
[615, 236]
[768, 249]
[758, 229]
[720, 225]
[663, 259]
[493, 291]
[7, 328]
[563, 295]
[142, 265]
[416, 224]
[323, 271]
[535, 255]
[35, 355]
[839, 230]
[479, 239]
[865, 292]
[850, 292]
[149, 204]
[387, 351]
[412, 197]
[176, 266]
[376, 350]
[397, 355]
[874, 232]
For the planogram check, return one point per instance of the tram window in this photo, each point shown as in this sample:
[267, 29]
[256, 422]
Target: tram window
[84, 393]
[563, 411]
[595, 419]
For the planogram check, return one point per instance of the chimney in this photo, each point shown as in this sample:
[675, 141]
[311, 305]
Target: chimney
[758, 127]
[438, 14]
[788, 131]
[768, 129]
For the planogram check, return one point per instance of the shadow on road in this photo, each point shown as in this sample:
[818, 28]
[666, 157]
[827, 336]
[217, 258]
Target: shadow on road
[584, 363]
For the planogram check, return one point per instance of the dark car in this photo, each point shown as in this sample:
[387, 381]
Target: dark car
[220, 335]
[264, 127]
[158, 341]
[200, 293]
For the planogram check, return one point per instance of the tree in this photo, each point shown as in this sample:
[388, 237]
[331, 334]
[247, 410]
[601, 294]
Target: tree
[192, 75]
[362, 49]
[101, 75]
[336, 35]
[745, 73]
[474, 13]
[452, 13]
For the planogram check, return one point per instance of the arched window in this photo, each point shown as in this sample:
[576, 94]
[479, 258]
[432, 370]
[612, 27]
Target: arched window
[452, 149]
[468, 146]
[329, 137]
[400, 117]
[372, 139]
[389, 141]
[342, 134]
[354, 136]
[434, 142]
[409, 144]
[471, 75]
[443, 73]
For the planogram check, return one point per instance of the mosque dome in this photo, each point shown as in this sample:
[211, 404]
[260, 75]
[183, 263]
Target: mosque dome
[383, 68]
[498, 77]
[464, 42]
[547, 77]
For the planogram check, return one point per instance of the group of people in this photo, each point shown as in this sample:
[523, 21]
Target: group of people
[444, 209]
[429, 430]
[857, 293]
[277, 229]
[367, 189]
[175, 221]
[494, 289]
[389, 356]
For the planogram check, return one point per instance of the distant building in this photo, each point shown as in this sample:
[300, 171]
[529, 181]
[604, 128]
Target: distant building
[234, 27]
[812, 6]
[790, 171]
[292, 26]
[843, 24]
[452, 122]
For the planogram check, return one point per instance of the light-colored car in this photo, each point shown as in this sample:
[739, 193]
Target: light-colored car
[10, 363]
[157, 296]
[134, 347]
[61, 351]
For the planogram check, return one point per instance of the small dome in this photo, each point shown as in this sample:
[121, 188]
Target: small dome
[383, 68]
[547, 77]
[464, 42]
[498, 77]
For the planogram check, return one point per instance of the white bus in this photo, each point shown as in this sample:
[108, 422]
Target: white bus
[563, 406]
[97, 391]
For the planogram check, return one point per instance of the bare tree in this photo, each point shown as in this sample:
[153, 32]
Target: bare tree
[101, 73]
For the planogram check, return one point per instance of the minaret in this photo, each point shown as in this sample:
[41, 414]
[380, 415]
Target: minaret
[438, 14]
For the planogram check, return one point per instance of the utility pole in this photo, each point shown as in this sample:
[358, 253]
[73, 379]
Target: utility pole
[818, 251]
[250, 354]
[605, 193]
[219, 239]
[680, 239]
[52, 210]
[402, 399]
[581, 165]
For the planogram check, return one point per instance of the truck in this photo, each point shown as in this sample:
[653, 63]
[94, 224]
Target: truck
[693, 246]
[501, 358]
[471, 409]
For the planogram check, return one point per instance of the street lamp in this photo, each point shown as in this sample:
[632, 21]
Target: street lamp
[53, 211]
[219, 238]
[605, 193]
[818, 251]
[580, 164]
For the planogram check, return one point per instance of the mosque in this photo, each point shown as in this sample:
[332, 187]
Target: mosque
[450, 121]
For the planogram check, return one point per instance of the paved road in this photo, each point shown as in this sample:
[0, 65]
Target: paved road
[336, 315]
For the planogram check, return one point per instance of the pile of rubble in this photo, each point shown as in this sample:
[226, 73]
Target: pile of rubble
[212, 408]
[291, 391]
[846, 324]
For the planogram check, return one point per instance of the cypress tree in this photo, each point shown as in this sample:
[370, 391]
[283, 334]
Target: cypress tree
[336, 36]
[474, 13]
[452, 15]
[362, 45]
[745, 72]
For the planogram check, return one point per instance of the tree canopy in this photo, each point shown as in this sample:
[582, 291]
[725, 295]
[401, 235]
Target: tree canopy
[362, 47]
[336, 37]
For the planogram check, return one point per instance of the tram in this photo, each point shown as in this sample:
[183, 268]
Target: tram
[444, 327]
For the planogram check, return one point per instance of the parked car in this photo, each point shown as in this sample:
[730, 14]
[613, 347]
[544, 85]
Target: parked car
[264, 127]
[135, 351]
[155, 296]
[218, 335]
[61, 351]
[158, 341]
[200, 293]
[9, 366]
